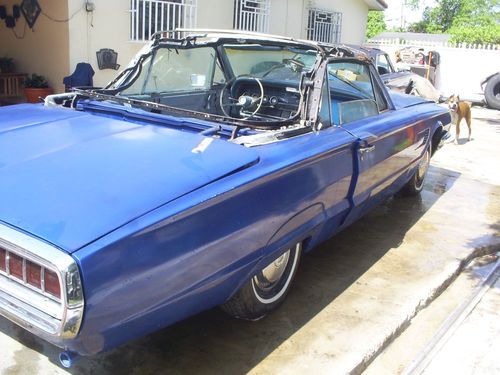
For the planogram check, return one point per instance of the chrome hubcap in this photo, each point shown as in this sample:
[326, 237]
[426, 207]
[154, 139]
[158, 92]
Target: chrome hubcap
[272, 273]
[423, 167]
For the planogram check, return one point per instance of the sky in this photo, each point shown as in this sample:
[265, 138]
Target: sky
[398, 15]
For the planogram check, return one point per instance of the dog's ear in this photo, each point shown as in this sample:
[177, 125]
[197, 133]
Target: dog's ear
[449, 99]
[458, 98]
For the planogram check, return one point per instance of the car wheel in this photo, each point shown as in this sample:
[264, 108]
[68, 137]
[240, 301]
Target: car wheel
[267, 289]
[492, 92]
[416, 183]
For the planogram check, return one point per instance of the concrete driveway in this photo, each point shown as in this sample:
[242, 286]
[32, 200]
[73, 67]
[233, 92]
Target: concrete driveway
[351, 297]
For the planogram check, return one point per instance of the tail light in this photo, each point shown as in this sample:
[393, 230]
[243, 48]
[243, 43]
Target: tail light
[40, 286]
[52, 285]
[3, 257]
[34, 274]
[29, 273]
[16, 266]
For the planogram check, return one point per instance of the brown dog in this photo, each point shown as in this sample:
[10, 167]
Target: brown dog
[459, 110]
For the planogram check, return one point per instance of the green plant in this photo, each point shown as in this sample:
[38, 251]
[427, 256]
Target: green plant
[375, 24]
[6, 64]
[467, 21]
[35, 82]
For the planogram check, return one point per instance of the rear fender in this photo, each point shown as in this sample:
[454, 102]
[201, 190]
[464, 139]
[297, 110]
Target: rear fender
[298, 228]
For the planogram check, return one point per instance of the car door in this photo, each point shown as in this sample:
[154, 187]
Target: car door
[389, 141]
[384, 64]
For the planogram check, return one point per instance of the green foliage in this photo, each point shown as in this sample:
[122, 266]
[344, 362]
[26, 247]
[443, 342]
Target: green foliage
[468, 21]
[476, 35]
[36, 82]
[413, 4]
[376, 23]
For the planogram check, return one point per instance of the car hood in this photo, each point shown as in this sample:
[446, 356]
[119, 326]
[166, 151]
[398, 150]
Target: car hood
[70, 177]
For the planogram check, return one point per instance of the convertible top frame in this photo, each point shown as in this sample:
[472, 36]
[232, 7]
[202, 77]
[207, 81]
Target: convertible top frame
[309, 88]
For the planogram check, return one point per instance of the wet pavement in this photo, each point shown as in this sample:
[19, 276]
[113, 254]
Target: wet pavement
[474, 345]
[352, 296]
[458, 333]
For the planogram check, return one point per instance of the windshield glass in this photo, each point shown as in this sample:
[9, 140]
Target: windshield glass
[271, 62]
[170, 70]
[241, 81]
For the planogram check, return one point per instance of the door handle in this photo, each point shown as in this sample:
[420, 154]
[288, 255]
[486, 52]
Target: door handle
[366, 149]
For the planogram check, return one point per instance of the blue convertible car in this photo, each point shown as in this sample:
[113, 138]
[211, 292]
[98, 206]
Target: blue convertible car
[197, 178]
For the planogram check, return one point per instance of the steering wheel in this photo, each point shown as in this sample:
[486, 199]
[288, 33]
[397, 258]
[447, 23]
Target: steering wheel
[244, 101]
[295, 65]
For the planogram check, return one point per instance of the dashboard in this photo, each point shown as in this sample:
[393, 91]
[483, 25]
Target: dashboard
[281, 99]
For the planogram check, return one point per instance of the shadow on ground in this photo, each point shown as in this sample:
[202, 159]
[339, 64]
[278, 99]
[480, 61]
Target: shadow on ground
[214, 343]
[488, 120]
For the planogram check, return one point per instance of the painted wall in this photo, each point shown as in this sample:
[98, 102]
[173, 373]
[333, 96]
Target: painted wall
[43, 50]
[106, 27]
[290, 17]
[354, 17]
[215, 14]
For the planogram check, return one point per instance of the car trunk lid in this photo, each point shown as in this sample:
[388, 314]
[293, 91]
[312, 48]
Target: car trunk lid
[70, 177]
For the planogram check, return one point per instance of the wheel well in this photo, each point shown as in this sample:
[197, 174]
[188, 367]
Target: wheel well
[436, 137]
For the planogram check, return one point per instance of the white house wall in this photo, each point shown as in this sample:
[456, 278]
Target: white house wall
[354, 17]
[215, 14]
[109, 26]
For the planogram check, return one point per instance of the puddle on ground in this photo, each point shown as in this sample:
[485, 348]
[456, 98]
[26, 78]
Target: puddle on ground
[26, 362]
[439, 188]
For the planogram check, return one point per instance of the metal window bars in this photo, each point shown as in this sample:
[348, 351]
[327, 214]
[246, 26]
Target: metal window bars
[252, 15]
[149, 16]
[324, 26]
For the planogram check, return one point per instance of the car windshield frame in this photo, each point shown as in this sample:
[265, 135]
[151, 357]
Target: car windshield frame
[127, 78]
[305, 115]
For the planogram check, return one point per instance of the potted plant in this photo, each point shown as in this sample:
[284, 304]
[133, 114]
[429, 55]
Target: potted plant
[6, 65]
[36, 87]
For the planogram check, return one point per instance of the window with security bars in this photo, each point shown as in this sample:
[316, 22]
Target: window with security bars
[251, 15]
[149, 16]
[324, 26]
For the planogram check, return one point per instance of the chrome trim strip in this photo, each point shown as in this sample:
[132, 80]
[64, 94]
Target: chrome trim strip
[7, 262]
[26, 315]
[14, 284]
[31, 307]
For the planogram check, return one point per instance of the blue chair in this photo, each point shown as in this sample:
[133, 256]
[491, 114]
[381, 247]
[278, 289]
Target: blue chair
[82, 76]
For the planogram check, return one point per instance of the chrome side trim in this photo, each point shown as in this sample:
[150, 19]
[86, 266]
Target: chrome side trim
[32, 309]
